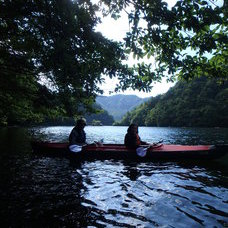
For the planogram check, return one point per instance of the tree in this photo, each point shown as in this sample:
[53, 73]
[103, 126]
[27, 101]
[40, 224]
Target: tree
[102, 116]
[53, 43]
[189, 39]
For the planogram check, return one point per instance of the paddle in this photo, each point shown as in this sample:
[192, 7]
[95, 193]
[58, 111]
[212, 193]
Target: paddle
[99, 143]
[142, 150]
[77, 148]
[157, 144]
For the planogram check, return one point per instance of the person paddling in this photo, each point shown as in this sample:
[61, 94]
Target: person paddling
[132, 139]
[77, 137]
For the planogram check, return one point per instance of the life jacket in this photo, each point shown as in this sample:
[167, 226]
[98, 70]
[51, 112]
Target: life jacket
[138, 141]
[132, 140]
[77, 136]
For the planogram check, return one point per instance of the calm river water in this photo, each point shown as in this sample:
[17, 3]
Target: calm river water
[38, 191]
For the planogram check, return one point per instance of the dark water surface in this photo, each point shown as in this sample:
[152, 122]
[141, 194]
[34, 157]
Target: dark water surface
[38, 191]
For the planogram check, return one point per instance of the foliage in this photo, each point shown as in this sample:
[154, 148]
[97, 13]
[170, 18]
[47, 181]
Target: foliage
[96, 123]
[52, 43]
[101, 116]
[16, 95]
[201, 102]
[188, 39]
[53, 117]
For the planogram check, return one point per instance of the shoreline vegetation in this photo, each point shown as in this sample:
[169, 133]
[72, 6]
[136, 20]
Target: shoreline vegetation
[199, 103]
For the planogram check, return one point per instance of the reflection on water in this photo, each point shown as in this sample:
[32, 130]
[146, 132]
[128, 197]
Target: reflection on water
[159, 194]
[56, 192]
[116, 134]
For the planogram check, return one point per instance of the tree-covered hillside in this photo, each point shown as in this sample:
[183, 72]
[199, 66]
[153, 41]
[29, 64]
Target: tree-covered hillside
[102, 117]
[118, 105]
[99, 117]
[201, 102]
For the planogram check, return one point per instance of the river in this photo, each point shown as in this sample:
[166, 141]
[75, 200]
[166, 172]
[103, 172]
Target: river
[38, 191]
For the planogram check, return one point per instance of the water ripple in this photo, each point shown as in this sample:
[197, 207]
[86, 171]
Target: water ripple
[57, 192]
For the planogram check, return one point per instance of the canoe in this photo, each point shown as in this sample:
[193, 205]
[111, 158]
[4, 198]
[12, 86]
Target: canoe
[119, 151]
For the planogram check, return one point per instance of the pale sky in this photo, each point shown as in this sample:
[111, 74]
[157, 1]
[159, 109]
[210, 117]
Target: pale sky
[116, 30]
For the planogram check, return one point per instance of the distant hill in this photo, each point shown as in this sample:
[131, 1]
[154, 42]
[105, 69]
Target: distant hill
[101, 118]
[119, 105]
[199, 103]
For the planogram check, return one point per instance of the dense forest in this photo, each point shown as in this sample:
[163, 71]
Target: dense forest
[201, 102]
[101, 117]
[52, 60]
[98, 117]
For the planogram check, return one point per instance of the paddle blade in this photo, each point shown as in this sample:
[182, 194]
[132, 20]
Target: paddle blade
[75, 148]
[141, 151]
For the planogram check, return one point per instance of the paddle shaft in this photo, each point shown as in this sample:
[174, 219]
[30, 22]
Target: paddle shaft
[152, 145]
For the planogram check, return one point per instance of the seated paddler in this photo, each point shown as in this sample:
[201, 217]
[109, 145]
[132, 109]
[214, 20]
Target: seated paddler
[132, 139]
[77, 138]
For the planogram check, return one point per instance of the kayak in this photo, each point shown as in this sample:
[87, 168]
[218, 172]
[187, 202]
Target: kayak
[119, 151]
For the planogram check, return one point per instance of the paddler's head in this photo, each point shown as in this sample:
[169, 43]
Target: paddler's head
[133, 129]
[81, 123]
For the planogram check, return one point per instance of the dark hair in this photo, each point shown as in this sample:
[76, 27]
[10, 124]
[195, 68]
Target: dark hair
[81, 121]
[131, 126]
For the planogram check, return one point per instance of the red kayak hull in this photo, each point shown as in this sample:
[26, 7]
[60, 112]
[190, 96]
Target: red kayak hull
[119, 151]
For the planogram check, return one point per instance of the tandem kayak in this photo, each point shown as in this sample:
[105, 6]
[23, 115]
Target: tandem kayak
[119, 151]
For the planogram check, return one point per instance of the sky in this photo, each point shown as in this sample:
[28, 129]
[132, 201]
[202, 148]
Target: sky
[116, 30]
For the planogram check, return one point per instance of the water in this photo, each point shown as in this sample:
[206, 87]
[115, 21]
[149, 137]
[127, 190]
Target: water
[41, 191]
